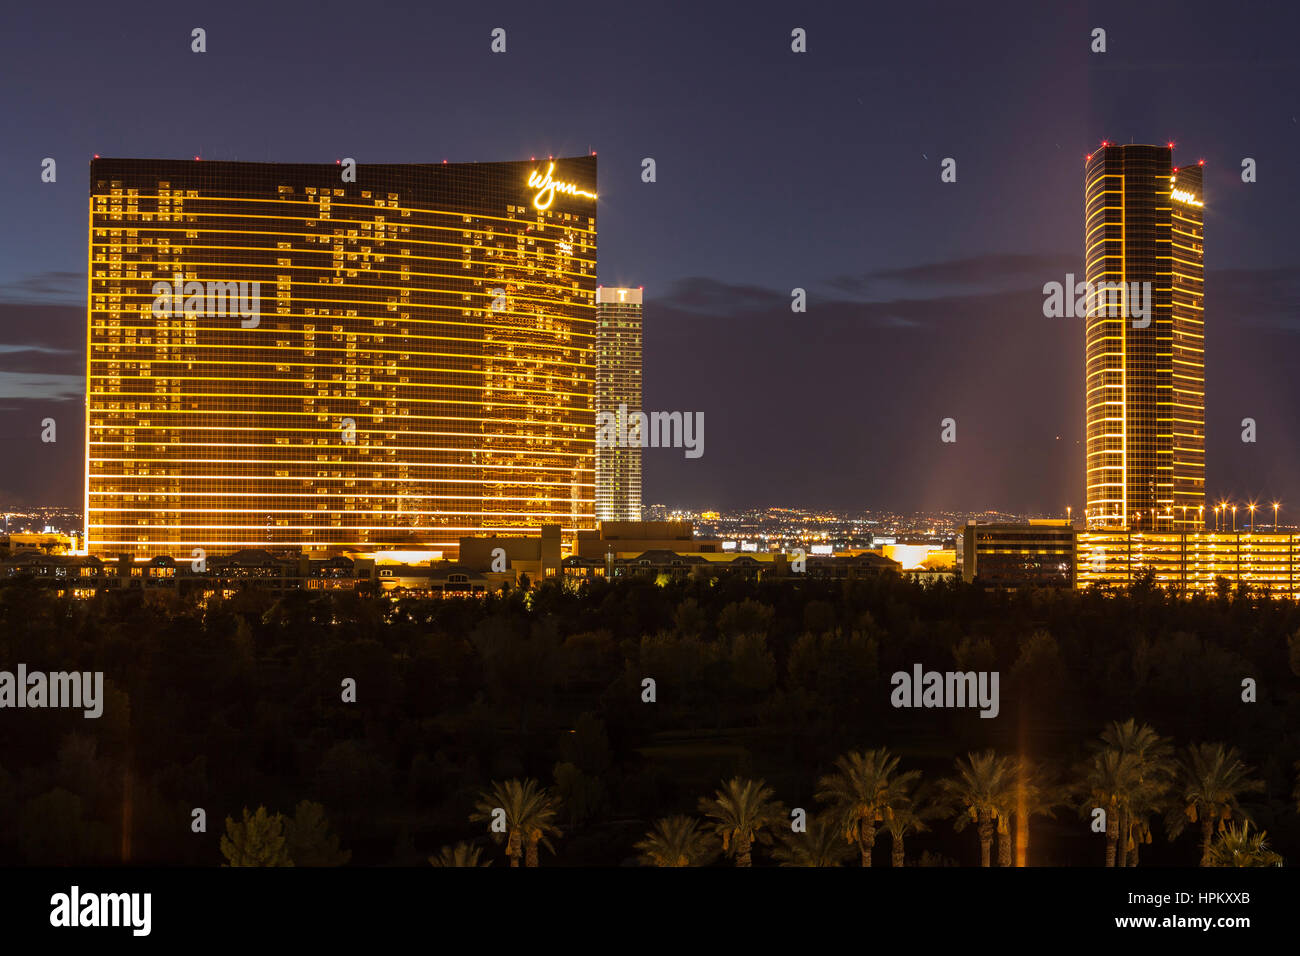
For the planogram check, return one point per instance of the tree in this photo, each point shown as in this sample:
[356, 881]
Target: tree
[1237, 846]
[907, 815]
[1111, 782]
[256, 841]
[309, 839]
[978, 793]
[529, 811]
[677, 841]
[1155, 772]
[821, 845]
[462, 854]
[1211, 779]
[861, 794]
[746, 617]
[743, 812]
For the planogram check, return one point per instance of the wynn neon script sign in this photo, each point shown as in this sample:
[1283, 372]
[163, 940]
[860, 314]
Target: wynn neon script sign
[547, 188]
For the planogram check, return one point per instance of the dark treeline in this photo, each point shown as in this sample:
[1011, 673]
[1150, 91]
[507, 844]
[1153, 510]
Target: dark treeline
[239, 705]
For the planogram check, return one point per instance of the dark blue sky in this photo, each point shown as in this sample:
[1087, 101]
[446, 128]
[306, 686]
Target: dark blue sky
[775, 170]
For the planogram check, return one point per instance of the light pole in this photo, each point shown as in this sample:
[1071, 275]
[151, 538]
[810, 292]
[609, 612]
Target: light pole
[1234, 519]
[1216, 518]
[1252, 517]
[1275, 504]
[1200, 517]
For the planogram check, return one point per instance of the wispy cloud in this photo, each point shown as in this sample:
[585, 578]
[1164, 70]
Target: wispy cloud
[12, 349]
[989, 272]
[45, 288]
[34, 386]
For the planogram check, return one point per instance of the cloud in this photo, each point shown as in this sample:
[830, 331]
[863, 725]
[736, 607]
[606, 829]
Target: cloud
[44, 339]
[697, 294]
[991, 271]
[32, 386]
[11, 349]
[756, 311]
[56, 287]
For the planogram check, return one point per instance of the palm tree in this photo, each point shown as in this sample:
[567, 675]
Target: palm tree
[908, 815]
[462, 854]
[529, 811]
[821, 845]
[979, 793]
[1110, 782]
[862, 792]
[1211, 779]
[1237, 846]
[742, 812]
[676, 841]
[1155, 772]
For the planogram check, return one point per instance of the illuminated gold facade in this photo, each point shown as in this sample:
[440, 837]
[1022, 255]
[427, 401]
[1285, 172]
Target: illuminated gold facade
[1144, 373]
[416, 361]
[1190, 562]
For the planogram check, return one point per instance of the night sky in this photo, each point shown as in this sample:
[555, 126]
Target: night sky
[775, 170]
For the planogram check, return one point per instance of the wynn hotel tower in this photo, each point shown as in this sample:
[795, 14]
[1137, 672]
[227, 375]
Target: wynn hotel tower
[338, 357]
[1145, 362]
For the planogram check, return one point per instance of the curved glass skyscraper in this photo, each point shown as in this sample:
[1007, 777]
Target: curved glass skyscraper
[338, 357]
[1144, 340]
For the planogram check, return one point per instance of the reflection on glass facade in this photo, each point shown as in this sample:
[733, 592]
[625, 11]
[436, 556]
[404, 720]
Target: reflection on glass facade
[419, 364]
[618, 392]
[1145, 376]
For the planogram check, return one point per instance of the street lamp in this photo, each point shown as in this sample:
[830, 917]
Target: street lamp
[1216, 517]
[1234, 519]
[1200, 517]
[1252, 517]
[1275, 504]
